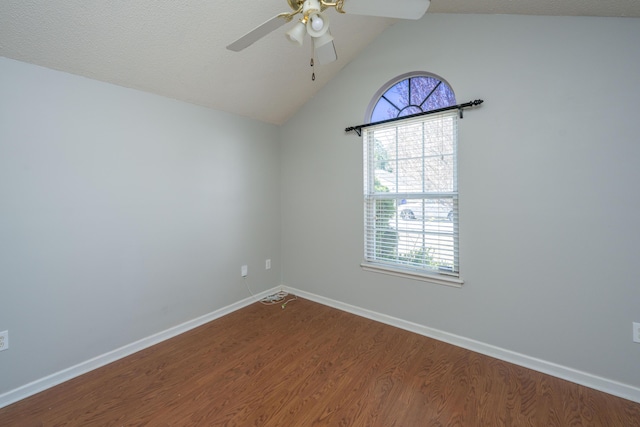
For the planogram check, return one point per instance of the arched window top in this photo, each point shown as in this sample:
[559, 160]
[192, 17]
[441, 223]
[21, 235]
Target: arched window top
[410, 94]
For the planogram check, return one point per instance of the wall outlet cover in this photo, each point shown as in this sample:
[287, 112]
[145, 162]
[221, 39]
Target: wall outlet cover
[4, 340]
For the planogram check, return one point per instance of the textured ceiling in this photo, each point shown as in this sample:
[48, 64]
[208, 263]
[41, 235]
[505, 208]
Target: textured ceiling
[177, 49]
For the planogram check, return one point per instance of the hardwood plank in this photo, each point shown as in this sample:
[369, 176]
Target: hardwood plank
[312, 365]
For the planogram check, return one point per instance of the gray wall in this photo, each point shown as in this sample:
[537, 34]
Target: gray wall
[122, 214]
[548, 186]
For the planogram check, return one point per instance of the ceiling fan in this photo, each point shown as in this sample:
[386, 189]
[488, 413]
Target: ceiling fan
[315, 22]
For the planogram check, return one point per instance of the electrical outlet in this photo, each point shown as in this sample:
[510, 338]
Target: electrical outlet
[267, 264]
[636, 332]
[4, 340]
[244, 270]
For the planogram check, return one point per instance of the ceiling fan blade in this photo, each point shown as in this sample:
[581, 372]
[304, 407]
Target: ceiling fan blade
[326, 54]
[401, 9]
[257, 33]
[324, 49]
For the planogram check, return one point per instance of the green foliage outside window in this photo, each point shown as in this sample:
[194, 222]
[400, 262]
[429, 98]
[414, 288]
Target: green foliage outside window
[386, 237]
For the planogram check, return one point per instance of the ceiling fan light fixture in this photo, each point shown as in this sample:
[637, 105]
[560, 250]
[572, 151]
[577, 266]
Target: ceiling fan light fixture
[297, 33]
[316, 21]
[318, 24]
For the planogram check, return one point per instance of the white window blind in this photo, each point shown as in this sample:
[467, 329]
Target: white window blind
[411, 193]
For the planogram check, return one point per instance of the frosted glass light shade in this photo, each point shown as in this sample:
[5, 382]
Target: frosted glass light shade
[297, 33]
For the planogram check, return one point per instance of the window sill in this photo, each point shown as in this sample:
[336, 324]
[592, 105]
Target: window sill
[438, 279]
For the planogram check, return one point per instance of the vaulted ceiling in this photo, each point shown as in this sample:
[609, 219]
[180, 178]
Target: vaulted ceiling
[177, 48]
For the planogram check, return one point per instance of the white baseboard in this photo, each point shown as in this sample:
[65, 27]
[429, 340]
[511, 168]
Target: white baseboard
[49, 381]
[615, 388]
[586, 379]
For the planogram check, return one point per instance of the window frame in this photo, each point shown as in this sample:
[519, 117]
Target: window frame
[374, 262]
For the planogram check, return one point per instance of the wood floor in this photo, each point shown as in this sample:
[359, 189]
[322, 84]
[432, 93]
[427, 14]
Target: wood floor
[311, 365]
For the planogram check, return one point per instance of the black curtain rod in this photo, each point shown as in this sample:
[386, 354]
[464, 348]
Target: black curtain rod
[460, 107]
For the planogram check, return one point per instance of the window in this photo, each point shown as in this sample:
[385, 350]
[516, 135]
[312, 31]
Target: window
[410, 180]
[411, 95]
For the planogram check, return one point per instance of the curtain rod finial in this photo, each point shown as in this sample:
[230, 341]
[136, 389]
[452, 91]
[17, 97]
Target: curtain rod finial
[356, 129]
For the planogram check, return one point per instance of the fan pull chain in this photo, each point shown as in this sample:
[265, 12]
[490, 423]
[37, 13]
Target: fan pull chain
[313, 71]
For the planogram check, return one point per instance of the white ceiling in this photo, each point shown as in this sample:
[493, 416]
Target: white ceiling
[177, 48]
